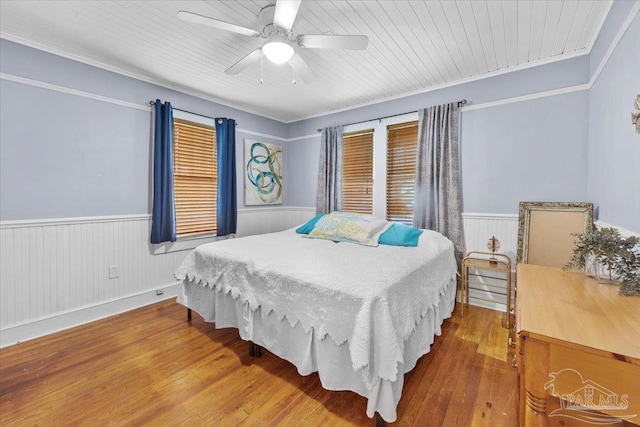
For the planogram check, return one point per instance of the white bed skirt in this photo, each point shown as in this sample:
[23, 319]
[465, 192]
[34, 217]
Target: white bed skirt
[309, 354]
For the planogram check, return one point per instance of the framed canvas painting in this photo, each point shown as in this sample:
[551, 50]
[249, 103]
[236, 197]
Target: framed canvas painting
[262, 173]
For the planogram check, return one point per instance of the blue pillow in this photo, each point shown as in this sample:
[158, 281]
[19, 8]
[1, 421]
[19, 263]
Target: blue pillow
[400, 235]
[308, 226]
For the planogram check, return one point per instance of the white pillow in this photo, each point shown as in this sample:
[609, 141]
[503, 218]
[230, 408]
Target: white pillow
[349, 227]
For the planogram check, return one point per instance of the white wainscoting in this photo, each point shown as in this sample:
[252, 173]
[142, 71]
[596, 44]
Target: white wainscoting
[623, 231]
[478, 229]
[55, 273]
[269, 220]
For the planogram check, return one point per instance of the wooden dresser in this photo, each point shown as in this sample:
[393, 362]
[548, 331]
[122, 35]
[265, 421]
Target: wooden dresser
[577, 350]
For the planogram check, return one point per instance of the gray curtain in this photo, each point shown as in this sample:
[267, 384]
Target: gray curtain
[438, 194]
[329, 196]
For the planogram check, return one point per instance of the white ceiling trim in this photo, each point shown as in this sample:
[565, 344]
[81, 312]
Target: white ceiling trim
[211, 99]
[109, 100]
[629, 19]
[599, 25]
[264, 135]
[497, 103]
[529, 97]
[69, 91]
[300, 138]
[456, 83]
[122, 72]
[431, 7]
[614, 43]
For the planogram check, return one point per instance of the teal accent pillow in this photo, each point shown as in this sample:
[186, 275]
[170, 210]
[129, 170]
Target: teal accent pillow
[308, 226]
[400, 235]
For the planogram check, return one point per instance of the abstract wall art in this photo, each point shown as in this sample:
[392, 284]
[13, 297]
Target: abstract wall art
[263, 173]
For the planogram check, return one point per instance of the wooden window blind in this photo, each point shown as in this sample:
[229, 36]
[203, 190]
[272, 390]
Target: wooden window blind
[195, 177]
[402, 146]
[357, 172]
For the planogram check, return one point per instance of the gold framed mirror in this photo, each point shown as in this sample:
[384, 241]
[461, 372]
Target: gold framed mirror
[545, 231]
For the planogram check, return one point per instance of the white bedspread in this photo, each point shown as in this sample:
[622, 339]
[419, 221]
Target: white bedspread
[372, 297]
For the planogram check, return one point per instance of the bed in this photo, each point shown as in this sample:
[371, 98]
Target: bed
[360, 316]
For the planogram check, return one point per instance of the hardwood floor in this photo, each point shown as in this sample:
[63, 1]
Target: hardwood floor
[152, 367]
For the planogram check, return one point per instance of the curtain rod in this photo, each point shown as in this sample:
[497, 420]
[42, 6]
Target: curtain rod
[462, 102]
[190, 112]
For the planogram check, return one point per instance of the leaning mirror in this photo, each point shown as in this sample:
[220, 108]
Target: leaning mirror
[545, 231]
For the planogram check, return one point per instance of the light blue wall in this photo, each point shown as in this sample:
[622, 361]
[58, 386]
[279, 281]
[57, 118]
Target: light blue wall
[527, 151]
[557, 148]
[66, 156]
[302, 172]
[34, 64]
[556, 75]
[62, 155]
[614, 146]
[534, 150]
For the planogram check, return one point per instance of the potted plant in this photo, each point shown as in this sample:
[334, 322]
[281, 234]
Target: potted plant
[608, 256]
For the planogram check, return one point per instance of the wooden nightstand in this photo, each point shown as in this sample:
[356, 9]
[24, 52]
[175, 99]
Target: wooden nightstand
[478, 265]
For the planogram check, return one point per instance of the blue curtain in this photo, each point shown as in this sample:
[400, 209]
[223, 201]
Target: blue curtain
[227, 199]
[163, 227]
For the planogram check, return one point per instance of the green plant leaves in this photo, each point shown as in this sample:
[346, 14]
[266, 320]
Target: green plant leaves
[620, 255]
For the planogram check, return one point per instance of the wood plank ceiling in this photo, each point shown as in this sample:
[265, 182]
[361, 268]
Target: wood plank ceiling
[413, 45]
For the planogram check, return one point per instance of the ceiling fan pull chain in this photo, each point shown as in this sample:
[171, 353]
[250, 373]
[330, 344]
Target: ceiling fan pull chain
[294, 70]
[262, 68]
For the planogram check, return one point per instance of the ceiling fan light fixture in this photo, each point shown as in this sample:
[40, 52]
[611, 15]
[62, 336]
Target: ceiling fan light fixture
[277, 52]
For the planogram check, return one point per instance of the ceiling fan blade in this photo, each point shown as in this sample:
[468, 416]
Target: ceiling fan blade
[244, 62]
[328, 41]
[285, 14]
[215, 23]
[301, 69]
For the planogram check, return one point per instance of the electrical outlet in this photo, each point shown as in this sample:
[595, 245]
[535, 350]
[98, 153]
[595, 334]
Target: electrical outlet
[114, 272]
[159, 292]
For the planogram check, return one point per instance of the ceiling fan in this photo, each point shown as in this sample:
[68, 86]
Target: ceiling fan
[280, 41]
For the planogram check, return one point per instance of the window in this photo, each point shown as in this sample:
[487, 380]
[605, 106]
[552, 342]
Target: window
[357, 172]
[195, 172]
[402, 146]
[387, 170]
